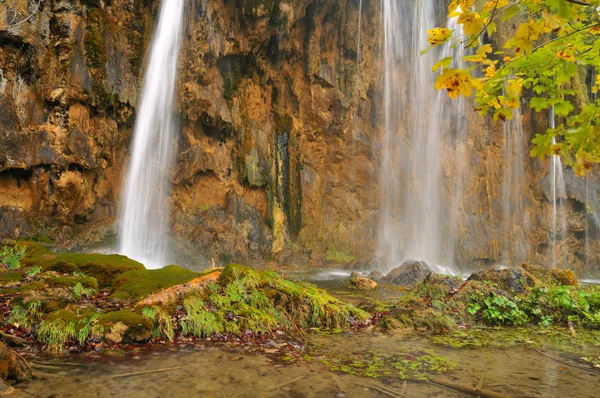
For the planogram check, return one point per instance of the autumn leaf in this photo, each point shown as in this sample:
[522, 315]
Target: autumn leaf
[566, 56]
[456, 82]
[471, 21]
[438, 36]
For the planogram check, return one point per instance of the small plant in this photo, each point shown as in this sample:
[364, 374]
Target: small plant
[163, 325]
[27, 315]
[501, 310]
[56, 333]
[12, 256]
[59, 329]
[33, 271]
[79, 290]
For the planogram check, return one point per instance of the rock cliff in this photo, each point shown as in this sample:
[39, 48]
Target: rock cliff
[280, 143]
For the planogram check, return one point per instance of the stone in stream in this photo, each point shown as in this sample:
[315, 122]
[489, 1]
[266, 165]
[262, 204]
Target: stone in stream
[376, 275]
[359, 282]
[408, 274]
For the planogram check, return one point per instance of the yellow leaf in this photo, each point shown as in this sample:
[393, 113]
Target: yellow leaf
[443, 63]
[456, 6]
[514, 87]
[456, 82]
[471, 21]
[566, 56]
[438, 36]
[595, 30]
[491, 4]
[490, 71]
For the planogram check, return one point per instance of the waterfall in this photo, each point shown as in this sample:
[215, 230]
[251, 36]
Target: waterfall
[559, 217]
[515, 223]
[417, 216]
[144, 211]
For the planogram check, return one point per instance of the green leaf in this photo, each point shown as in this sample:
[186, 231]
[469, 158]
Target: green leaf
[443, 63]
[538, 103]
[563, 108]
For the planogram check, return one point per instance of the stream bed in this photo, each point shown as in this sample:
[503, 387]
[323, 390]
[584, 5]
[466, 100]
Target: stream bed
[534, 362]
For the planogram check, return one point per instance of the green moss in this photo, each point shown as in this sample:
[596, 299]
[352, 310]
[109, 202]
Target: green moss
[545, 297]
[140, 283]
[244, 299]
[11, 276]
[71, 281]
[139, 328]
[418, 365]
[105, 268]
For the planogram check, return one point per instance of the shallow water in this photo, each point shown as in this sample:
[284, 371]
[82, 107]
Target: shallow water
[201, 370]
[514, 362]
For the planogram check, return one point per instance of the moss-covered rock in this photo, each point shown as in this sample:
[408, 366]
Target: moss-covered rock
[71, 281]
[360, 282]
[551, 276]
[244, 299]
[11, 276]
[105, 268]
[140, 283]
[139, 328]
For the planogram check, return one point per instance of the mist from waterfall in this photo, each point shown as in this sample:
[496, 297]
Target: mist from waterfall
[417, 219]
[144, 211]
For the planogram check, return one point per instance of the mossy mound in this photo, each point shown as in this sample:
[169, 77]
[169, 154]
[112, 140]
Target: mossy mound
[243, 299]
[140, 283]
[71, 281]
[552, 276]
[139, 327]
[510, 297]
[105, 268]
[11, 276]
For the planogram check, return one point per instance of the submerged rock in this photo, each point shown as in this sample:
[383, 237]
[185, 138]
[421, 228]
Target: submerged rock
[408, 274]
[360, 282]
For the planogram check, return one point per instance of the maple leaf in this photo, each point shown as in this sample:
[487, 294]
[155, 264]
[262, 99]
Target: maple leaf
[456, 82]
[438, 36]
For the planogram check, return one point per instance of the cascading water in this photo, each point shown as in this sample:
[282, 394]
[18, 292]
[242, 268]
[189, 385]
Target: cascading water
[416, 215]
[515, 222]
[144, 209]
[559, 216]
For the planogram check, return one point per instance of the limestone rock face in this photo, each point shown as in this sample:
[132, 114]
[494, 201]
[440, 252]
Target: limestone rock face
[408, 274]
[280, 144]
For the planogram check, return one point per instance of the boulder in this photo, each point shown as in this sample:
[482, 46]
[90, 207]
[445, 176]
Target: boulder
[376, 275]
[359, 282]
[517, 280]
[408, 274]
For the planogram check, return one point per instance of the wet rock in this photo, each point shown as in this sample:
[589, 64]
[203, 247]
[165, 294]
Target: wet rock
[408, 274]
[517, 280]
[552, 275]
[376, 275]
[12, 367]
[360, 282]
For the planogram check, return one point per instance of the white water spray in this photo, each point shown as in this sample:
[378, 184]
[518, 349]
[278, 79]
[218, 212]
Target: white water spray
[144, 209]
[515, 222]
[417, 218]
[558, 194]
